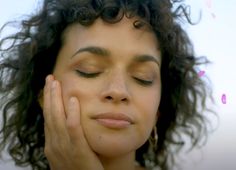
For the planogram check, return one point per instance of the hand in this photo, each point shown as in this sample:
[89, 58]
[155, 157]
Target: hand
[66, 147]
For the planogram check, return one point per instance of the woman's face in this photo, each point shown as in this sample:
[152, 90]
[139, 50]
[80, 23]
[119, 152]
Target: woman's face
[114, 71]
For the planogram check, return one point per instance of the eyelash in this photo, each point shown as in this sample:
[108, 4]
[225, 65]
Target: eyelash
[93, 75]
[143, 82]
[87, 75]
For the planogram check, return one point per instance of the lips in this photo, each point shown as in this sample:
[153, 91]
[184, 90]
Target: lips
[113, 120]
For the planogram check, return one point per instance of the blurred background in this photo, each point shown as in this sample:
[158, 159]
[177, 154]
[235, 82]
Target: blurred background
[214, 36]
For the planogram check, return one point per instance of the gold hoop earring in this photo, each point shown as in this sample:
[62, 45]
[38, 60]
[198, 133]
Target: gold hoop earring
[153, 139]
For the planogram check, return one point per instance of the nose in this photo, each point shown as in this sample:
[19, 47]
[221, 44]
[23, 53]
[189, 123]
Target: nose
[116, 89]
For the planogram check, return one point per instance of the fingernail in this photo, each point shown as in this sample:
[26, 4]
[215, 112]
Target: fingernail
[48, 79]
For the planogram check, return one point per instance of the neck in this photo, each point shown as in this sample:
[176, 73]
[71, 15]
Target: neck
[124, 162]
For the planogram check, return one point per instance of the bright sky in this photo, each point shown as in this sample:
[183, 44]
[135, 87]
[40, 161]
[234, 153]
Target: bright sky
[213, 37]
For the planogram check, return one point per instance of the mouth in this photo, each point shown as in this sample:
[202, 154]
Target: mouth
[113, 120]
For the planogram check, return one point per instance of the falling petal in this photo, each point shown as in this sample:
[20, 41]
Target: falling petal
[223, 98]
[201, 73]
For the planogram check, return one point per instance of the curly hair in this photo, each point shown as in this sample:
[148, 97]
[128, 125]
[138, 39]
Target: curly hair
[32, 53]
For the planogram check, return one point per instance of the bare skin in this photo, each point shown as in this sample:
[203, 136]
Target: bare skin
[94, 75]
[62, 138]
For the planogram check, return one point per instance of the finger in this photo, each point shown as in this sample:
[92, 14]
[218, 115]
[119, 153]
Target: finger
[46, 134]
[47, 99]
[73, 122]
[57, 113]
[47, 140]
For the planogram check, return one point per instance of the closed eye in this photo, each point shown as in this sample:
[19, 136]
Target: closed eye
[87, 74]
[143, 82]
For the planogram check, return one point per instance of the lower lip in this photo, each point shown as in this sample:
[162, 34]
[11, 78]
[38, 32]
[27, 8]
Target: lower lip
[114, 123]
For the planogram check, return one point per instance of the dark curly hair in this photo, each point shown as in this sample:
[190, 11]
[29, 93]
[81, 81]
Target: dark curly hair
[29, 55]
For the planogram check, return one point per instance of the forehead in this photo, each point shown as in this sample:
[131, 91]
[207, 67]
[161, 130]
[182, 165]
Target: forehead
[118, 37]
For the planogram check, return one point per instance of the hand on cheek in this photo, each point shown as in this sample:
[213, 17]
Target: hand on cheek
[65, 143]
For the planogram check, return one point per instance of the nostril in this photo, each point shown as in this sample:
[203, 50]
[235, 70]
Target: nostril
[109, 97]
[124, 99]
[116, 98]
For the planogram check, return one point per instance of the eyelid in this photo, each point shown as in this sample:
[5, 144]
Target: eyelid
[144, 82]
[143, 75]
[88, 66]
[87, 74]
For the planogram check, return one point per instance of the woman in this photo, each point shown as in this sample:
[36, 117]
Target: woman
[121, 90]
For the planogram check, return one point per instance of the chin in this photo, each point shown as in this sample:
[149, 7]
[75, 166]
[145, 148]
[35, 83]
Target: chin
[111, 151]
[113, 142]
[113, 146]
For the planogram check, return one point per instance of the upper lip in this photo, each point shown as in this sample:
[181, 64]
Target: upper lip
[115, 116]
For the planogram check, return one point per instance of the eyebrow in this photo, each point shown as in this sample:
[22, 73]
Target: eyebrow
[94, 50]
[146, 58]
[100, 51]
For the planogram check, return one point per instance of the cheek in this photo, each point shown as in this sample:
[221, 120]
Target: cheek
[149, 103]
[148, 108]
[72, 86]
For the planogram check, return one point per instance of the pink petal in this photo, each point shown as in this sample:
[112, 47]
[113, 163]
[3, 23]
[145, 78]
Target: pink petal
[223, 98]
[201, 73]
